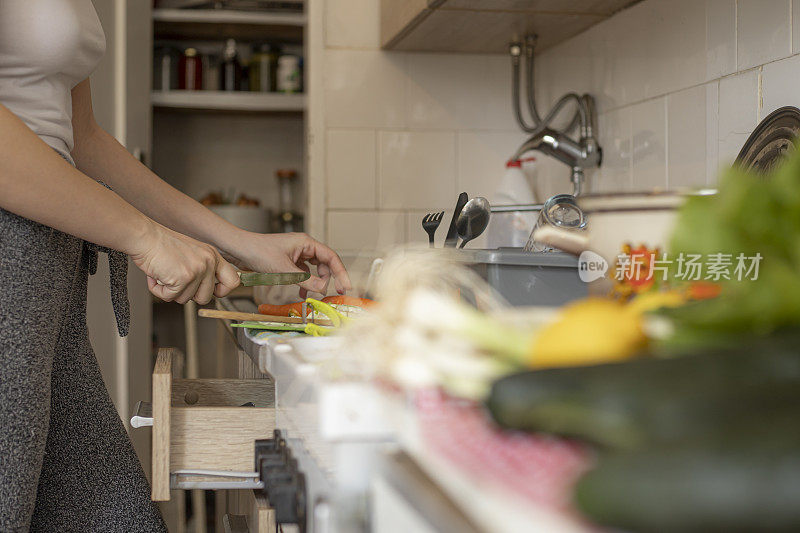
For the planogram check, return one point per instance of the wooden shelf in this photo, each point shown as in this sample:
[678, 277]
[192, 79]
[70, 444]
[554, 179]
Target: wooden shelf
[213, 24]
[229, 101]
[487, 26]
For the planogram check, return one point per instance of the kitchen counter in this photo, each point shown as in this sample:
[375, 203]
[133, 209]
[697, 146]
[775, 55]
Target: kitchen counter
[363, 445]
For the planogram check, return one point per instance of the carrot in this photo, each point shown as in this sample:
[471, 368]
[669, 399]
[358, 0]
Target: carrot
[295, 309]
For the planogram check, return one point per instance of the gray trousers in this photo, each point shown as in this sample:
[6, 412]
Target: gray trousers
[66, 462]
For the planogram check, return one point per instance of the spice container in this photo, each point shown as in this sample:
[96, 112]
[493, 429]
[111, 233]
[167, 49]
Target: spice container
[190, 71]
[262, 69]
[165, 68]
[288, 74]
[287, 219]
[231, 70]
[211, 64]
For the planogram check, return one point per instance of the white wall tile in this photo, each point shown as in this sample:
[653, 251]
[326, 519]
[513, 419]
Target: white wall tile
[614, 136]
[445, 91]
[458, 91]
[499, 114]
[362, 231]
[653, 48]
[553, 177]
[688, 131]
[729, 148]
[779, 86]
[352, 24]
[482, 160]
[364, 88]
[671, 63]
[351, 163]
[416, 169]
[567, 67]
[795, 26]
[764, 31]
[720, 38]
[648, 139]
[738, 112]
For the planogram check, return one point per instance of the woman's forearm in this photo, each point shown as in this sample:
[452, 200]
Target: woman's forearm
[99, 155]
[36, 183]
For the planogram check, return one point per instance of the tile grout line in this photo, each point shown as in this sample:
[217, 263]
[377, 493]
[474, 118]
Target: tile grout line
[630, 148]
[760, 95]
[377, 168]
[694, 86]
[666, 140]
[736, 34]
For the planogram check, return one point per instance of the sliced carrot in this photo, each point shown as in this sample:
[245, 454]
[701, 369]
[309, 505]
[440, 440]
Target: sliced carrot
[295, 309]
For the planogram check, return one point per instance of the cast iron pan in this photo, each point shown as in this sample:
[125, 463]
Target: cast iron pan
[771, 141]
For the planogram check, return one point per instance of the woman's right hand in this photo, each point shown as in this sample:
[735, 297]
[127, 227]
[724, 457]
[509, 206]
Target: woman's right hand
[180, 268]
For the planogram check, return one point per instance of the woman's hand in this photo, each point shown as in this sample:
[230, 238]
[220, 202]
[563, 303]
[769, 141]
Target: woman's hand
[180, 268]
[292, 252]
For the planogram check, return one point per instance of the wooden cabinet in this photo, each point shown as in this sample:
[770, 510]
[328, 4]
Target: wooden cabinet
[487, 26]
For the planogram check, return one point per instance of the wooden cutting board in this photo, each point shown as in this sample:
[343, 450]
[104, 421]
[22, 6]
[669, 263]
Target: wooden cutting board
[255, 317]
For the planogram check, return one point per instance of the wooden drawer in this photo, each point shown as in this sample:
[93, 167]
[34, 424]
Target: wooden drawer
[205, 424]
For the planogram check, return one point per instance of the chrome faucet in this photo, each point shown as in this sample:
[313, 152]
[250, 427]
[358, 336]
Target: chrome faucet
[578, 155]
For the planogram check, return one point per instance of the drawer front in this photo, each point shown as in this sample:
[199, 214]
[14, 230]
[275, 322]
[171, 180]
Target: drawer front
[217, 438]
[205, 424]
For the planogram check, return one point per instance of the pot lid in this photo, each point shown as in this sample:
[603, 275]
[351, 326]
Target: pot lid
[771, 141]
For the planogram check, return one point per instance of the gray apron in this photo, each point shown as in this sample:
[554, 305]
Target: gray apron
[66, 462]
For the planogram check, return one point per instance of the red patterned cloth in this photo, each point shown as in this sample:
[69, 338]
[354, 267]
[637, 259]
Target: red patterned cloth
[541, 468]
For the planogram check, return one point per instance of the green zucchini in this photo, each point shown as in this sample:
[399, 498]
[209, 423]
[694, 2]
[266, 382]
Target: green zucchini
[642, 403]
[694, 490]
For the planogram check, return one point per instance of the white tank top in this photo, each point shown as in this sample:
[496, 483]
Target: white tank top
[47, 47]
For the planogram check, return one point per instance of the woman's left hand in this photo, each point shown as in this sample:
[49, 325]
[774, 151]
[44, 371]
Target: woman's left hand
[292, 252]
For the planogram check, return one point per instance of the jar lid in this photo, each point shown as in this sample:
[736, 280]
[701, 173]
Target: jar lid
[286, 173]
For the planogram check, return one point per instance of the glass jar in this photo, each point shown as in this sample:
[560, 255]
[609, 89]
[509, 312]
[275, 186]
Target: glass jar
[190, 71]
[288, 74]
[230, 76]
[262, 69]
[165, 68]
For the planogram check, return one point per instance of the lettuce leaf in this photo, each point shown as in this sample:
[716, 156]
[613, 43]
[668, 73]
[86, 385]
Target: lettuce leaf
[751, 214]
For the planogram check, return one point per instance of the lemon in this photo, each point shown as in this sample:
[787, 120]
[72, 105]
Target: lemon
[590, 331]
